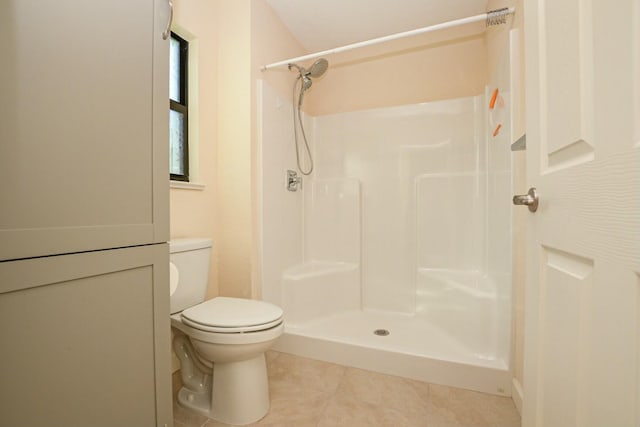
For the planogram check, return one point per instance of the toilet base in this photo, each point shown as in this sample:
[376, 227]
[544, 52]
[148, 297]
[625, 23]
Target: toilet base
[197, 402]
[239, 393]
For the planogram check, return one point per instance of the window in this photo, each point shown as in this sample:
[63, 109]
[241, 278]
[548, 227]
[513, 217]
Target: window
[178, 109]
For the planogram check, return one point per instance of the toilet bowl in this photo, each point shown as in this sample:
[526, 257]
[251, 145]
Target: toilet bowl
[221, 344]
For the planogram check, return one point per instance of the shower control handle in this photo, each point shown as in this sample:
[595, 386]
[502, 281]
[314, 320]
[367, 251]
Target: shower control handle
[530, 199]
[293, 181]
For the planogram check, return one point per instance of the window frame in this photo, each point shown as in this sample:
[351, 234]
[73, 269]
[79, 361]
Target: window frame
[182, 106]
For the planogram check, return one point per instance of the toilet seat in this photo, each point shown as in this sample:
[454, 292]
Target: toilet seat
[232, 316]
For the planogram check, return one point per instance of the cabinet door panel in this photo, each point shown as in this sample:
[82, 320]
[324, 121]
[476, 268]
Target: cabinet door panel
[82, 85]
[86, 339]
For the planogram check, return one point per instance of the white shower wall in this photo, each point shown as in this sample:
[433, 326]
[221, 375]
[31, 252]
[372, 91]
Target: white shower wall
[421, 172]
[280, 211]
[401, 192]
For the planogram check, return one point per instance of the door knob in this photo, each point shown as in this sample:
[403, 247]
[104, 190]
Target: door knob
[530, 199]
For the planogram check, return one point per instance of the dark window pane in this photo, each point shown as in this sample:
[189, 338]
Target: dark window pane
[174, 69]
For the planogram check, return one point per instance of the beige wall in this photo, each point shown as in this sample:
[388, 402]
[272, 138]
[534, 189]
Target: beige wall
[495, 41]
[193, 212]
[271, 41]
[405, 72]
[234, 148]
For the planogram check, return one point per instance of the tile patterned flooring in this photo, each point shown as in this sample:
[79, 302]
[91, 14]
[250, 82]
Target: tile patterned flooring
[311, 393]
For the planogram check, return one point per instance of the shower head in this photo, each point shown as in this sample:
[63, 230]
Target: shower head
[318, 68]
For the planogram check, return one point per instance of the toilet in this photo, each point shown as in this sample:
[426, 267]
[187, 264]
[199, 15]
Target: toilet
[220, 342]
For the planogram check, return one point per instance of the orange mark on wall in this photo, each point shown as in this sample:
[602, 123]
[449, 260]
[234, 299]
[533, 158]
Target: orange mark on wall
[492, 103]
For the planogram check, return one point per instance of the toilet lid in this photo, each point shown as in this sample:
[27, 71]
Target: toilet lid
[223, 314]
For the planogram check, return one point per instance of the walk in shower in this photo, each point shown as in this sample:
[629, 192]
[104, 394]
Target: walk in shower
[395, 254]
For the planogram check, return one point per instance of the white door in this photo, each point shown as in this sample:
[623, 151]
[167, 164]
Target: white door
[582, 351]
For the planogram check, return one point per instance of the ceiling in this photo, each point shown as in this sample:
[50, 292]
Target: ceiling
[325, 24]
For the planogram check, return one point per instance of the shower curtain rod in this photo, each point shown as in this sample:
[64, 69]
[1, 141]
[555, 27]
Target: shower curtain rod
[493, 17]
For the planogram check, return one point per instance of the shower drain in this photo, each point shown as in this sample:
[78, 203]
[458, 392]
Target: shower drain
[381, 332]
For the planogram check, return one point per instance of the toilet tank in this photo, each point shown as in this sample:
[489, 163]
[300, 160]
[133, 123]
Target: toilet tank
[188, 272]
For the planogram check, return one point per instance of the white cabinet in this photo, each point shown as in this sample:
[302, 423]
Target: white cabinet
[84, 293]
[83, 125]
[85, 339]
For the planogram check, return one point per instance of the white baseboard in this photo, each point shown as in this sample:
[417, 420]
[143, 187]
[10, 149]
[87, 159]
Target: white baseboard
[516, 394]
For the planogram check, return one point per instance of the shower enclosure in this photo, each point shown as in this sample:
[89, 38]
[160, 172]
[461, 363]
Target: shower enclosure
[395, 256]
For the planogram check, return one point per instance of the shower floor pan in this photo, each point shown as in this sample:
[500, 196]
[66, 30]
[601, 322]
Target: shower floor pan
[413, 348]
